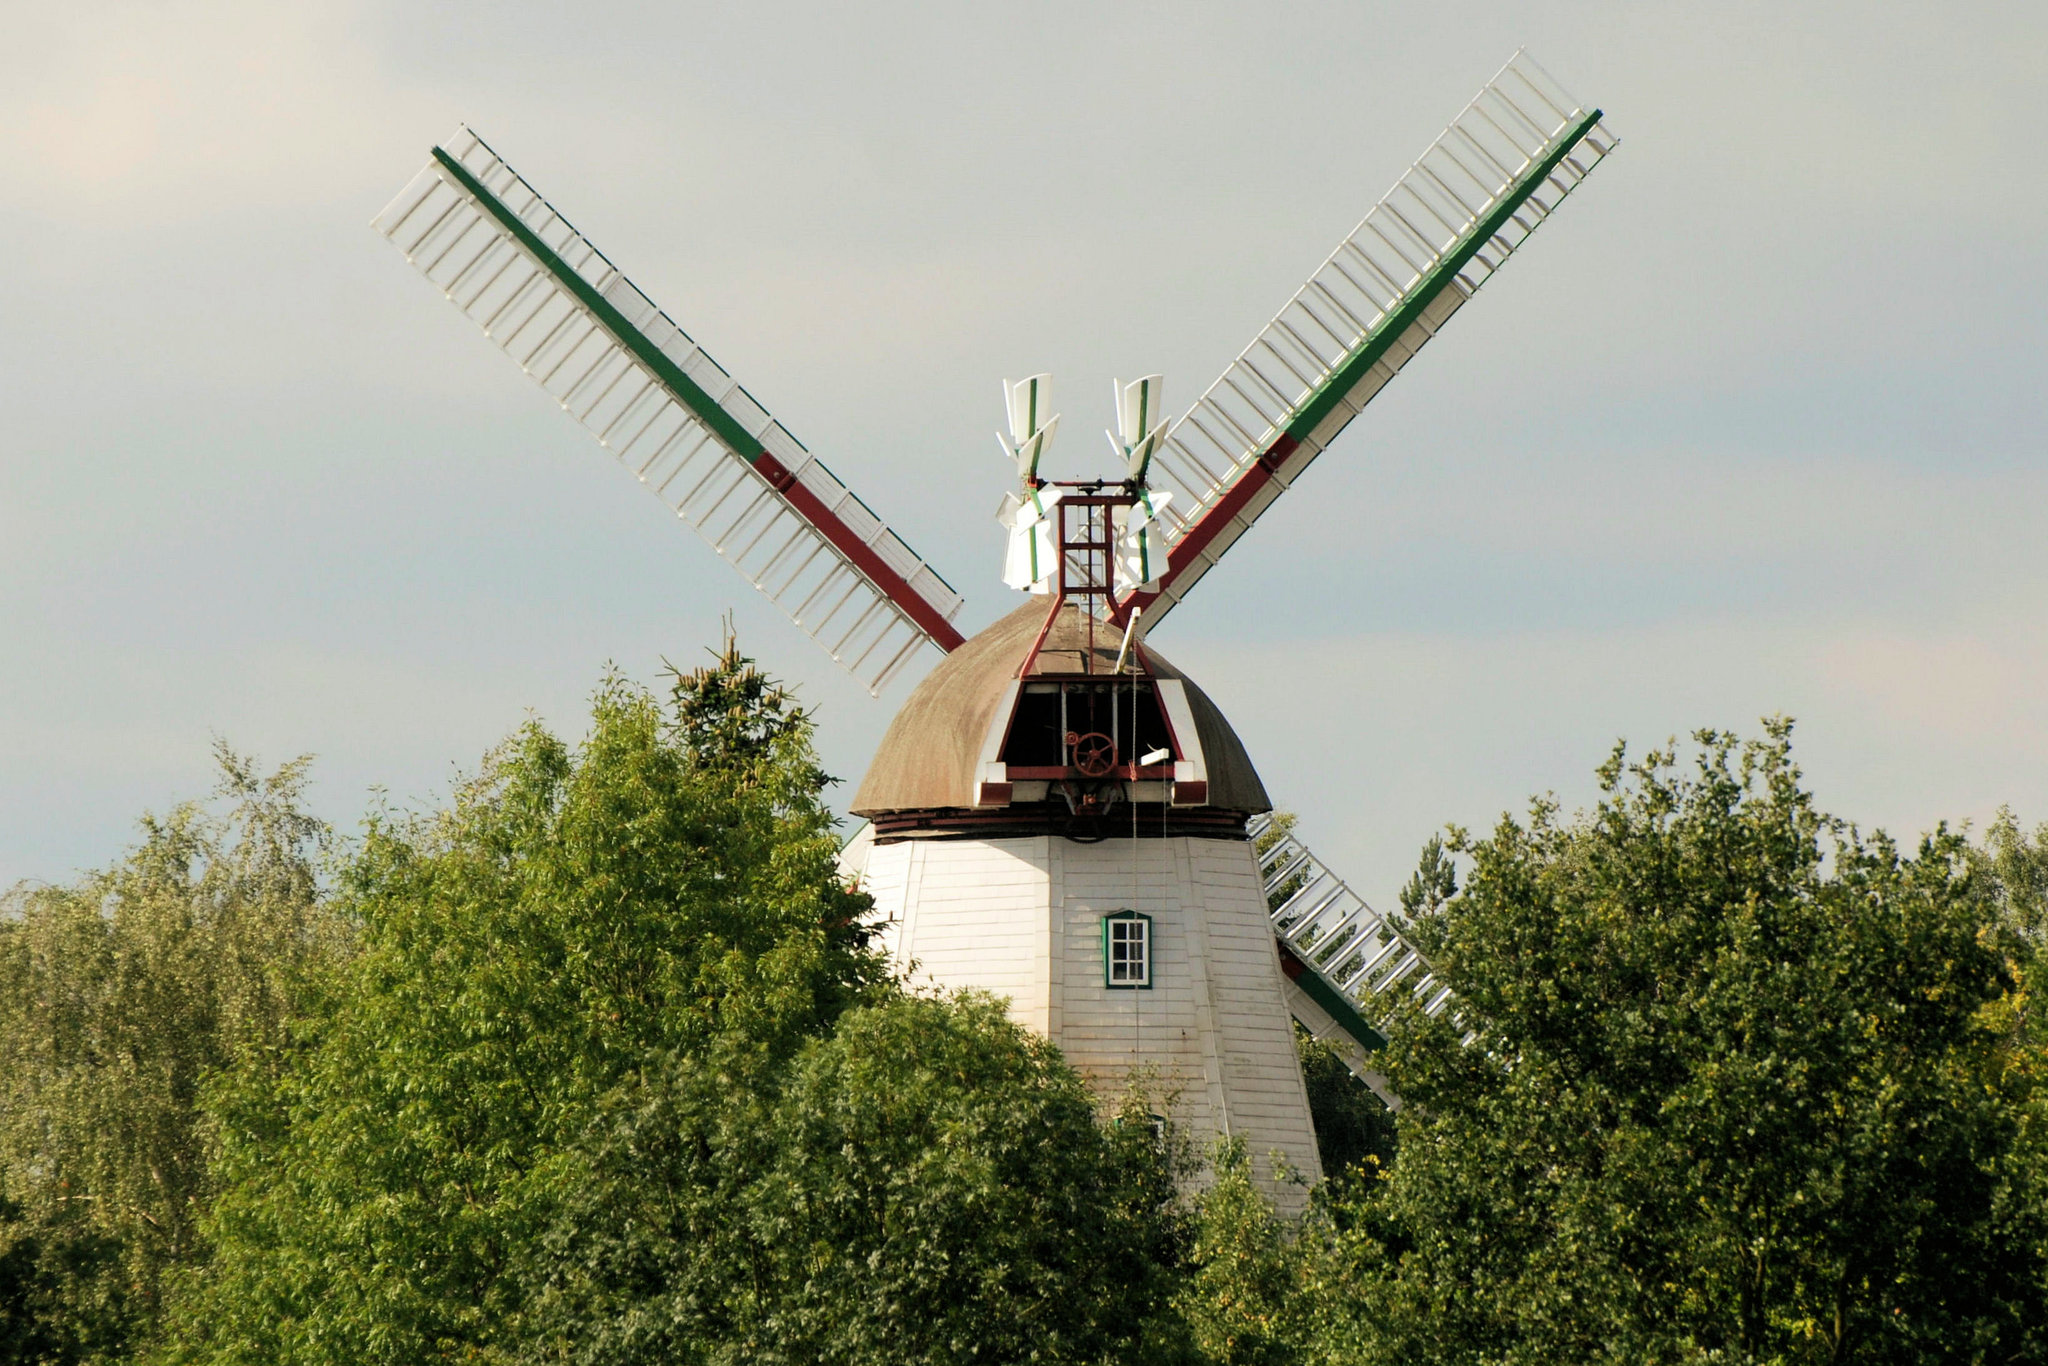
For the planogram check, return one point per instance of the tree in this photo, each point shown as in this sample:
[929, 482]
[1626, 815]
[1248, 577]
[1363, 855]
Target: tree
[521, 957]
[121, 997]
[2011, 869]
[1734, 1095]
[1242, 1292]
[927, 1184]
[1353, 1126]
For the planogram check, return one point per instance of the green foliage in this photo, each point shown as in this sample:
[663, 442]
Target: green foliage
[736, 720]
[928, 1184]
[1353, 1126]
[1733, 1099]
[1434, 881]
[57, 1279]
[521, 956]
[1242, 1297]
[597, 1066]
[2011, 871]
[121, 997]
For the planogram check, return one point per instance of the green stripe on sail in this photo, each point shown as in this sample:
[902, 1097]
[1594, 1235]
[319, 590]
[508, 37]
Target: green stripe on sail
[1347, 375]
[692, 395]
[1039, 507]
[1318, 989]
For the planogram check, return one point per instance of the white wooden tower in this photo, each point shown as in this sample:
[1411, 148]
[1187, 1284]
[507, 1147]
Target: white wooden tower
[1057, 814]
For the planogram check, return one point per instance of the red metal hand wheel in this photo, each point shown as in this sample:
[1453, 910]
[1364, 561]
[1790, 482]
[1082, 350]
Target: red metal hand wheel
[1094, 753]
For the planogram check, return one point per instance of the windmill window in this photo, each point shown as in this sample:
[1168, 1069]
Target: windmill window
[1127, 950]
[1046, 713]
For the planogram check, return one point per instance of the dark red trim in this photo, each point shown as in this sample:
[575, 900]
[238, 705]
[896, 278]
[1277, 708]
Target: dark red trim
[1022, 773]
[1277, 453]
[1183, 553]
[1053, 818]
[1059, 600]
[863, 556]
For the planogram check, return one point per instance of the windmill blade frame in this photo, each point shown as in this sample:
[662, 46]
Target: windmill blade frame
[1346, 964]
[1502, 167]
[672, 415]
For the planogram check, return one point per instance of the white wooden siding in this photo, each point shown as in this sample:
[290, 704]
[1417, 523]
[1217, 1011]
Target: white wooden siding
[1022, 918]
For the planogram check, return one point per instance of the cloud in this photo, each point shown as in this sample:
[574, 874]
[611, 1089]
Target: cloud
[1975, 692]
[162, 113]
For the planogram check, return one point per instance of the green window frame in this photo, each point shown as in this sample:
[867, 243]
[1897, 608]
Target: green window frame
[1127, 946]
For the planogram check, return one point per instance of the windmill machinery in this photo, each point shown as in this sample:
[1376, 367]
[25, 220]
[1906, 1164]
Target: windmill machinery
[1057, 813]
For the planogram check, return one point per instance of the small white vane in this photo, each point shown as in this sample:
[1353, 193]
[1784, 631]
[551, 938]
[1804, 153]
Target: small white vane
[1033, 553]
[1141, 423]
[1138, 533]
[1032, 423]
[1140, 542]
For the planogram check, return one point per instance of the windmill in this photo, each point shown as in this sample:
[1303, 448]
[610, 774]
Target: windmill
[1057, 813]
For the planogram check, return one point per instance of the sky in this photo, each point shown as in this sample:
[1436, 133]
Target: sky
[1756, 424]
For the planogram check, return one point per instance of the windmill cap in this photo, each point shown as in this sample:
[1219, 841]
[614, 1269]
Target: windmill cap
[928, 760]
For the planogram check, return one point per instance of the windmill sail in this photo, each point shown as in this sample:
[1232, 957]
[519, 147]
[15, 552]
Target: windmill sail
[1349, 964]
[670, 413]
[1498, 171]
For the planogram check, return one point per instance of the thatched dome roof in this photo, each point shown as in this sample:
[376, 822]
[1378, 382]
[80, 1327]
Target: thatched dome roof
[927, 761]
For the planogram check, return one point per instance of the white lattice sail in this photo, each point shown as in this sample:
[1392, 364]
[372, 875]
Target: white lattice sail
[1346, 949]
[1500, 169]
[620, 366]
